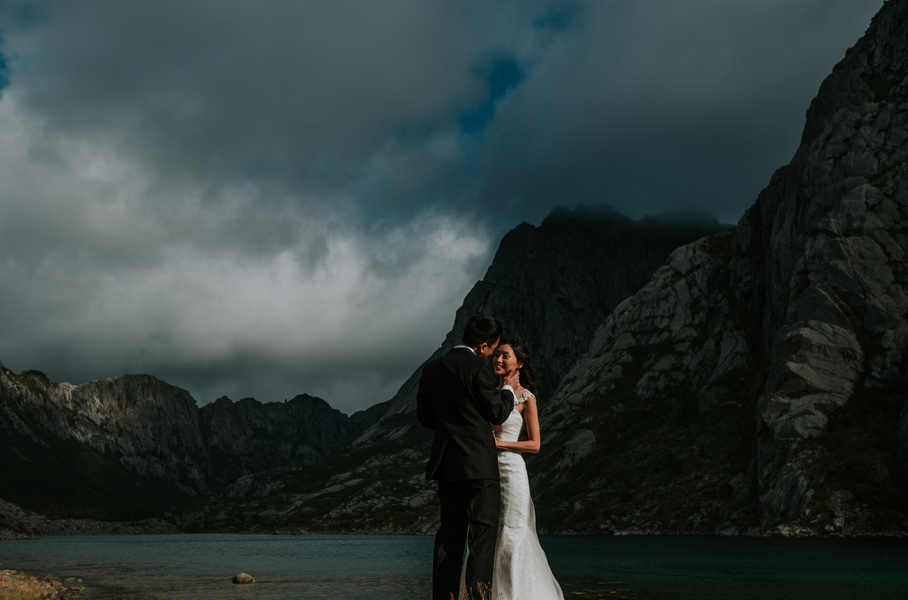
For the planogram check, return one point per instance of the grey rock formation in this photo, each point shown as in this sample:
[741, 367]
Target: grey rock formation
[581, 445]
[554, 284]
[670, 363]
[679, 328]
[903, 435]
[148, 426]
[830, 230]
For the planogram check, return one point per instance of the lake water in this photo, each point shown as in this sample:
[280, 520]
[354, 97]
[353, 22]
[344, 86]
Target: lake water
[183, 567]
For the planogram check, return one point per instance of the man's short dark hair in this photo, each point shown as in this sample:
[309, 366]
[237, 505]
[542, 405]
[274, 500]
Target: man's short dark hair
[482, 329]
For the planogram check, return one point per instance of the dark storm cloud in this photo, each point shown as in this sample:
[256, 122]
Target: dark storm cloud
[309, 95]
[656, 105]
[266, 199]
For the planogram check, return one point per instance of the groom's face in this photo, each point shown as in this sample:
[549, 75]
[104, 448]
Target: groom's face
[486, 351]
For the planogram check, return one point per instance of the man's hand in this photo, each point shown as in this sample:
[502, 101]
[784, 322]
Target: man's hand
[512, 379]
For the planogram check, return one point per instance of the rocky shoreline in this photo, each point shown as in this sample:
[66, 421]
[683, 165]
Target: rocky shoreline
[6, 534]
[19, 524]
[28, 526]
[86, 527]
[16, 584]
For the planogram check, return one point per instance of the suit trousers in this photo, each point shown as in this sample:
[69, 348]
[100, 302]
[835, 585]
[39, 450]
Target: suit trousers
[469, 515]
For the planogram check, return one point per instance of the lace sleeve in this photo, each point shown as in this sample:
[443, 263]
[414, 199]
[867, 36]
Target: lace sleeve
[523, 397]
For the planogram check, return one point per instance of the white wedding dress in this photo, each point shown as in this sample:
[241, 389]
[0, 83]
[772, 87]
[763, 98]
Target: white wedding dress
[521, 569]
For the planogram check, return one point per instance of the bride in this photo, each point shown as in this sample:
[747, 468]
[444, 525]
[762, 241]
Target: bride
[521, 569]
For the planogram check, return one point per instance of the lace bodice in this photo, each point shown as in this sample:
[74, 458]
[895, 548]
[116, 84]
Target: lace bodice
[510, 429]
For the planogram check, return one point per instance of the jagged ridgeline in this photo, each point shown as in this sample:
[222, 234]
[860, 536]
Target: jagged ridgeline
[129, 447]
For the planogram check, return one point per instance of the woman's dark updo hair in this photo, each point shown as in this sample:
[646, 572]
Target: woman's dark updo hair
[522, 354]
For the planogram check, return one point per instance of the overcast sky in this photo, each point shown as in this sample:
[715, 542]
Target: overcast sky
[279, 197]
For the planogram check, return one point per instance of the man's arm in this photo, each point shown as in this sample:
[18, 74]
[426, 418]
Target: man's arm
[494, 405]
[424, 413]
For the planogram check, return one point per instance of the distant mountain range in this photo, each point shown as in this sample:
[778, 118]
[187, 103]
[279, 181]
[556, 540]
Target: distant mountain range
[132, 445]
[695, 378]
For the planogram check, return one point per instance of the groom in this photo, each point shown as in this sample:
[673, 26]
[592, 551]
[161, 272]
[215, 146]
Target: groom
[458, 397]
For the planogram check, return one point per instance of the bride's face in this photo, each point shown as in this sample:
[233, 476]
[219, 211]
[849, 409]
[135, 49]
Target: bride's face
[504, 360]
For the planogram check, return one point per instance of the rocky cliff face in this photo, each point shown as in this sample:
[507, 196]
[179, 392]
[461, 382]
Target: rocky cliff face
[137, 441]
[124, 427]
[798, 312]
[554, 284]
[830, 232]
[653, 429]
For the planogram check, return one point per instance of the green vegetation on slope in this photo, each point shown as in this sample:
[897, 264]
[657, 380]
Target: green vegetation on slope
[661, 460]
[66, 478]
[856, 457]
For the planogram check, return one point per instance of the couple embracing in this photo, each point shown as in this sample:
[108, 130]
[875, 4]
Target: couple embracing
[477, 408]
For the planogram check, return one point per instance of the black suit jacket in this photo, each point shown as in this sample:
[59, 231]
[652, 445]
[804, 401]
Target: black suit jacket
[458, 397]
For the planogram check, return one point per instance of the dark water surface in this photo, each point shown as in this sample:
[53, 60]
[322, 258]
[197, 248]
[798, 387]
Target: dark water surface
[183, 567]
